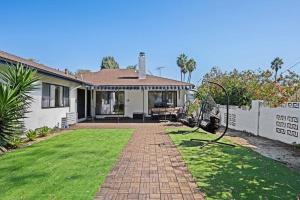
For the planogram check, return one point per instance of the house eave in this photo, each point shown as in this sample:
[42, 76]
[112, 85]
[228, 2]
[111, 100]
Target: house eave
[48, 73]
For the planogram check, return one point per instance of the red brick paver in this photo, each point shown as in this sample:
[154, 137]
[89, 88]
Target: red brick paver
[150, 167]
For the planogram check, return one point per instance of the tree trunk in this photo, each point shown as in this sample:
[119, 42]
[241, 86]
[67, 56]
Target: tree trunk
[190, 76]
[181, 76]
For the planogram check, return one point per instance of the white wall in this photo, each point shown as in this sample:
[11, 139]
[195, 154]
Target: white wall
[50, 117]
[240, 119]
[280, 123]
[181, 99]
[134, 102]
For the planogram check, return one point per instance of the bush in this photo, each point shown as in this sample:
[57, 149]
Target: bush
[15, 142]
[244, 86]
[31, 135]
[192, 109]
[44, 131]
[15, 86]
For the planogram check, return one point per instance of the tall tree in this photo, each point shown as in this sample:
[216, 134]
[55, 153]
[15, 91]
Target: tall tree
[191, 66]
[33, 60]
[276, 64]
[109, 62]
[131, 67]
[182, 62]
[82, 71]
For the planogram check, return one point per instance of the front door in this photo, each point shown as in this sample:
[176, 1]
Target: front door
[88, 111]
[81, 103]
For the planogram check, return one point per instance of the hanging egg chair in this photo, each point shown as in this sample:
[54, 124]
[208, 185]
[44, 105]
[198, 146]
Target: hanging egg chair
[209, 116]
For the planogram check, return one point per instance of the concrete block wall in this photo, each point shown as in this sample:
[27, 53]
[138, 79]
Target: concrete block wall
[281, 123]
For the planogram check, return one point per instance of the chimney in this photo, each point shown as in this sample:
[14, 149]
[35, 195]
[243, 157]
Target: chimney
[142, 66]
[66, 71]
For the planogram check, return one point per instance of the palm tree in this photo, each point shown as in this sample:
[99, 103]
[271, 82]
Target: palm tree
[10, 116]
[276, 64]
[191, 66]
[181, 62]
[109, 62]
[18, 82]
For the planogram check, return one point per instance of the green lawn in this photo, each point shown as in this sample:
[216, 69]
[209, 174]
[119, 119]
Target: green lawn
[223, 172]
[69, 166]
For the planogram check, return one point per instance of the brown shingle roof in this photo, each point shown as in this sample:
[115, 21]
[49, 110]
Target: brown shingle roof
[39, 67]
[104, 77]
[127, 77]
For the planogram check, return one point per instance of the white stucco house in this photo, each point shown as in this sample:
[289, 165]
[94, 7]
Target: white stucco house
[63, 98]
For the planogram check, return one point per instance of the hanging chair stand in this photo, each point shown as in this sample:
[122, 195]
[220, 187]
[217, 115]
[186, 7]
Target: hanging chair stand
[191, 131]
[199, 119]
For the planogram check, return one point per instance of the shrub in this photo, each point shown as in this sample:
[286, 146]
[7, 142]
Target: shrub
[192, 108]
[15, 142]
[17, 83]
[44, 131]
[31, 135]
[244, 86]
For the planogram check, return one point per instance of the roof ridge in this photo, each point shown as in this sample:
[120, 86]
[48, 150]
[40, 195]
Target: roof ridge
[169, 79]
[38, 66]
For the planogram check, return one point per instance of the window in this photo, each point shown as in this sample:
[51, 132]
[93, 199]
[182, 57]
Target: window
[110, 103]
[162, 99]
[66, 96]
[54, 96]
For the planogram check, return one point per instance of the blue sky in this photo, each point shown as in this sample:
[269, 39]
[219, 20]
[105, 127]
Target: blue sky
[77, 34]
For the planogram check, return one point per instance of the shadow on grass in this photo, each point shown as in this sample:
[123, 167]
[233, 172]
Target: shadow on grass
[189, 143]
[187, 131]
[223, 172]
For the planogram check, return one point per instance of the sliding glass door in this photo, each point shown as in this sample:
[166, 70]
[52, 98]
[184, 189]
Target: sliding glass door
[110, 103]
[161, 99]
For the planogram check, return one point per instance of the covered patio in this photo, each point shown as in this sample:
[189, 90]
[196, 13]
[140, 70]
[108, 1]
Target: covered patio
[121, 102]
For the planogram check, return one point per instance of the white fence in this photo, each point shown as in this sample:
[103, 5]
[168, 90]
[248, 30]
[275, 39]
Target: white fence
[280, 123]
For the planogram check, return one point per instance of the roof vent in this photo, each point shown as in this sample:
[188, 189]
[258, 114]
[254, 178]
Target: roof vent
[142, 66]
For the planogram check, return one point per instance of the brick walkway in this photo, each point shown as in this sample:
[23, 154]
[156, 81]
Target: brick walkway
[150, 167]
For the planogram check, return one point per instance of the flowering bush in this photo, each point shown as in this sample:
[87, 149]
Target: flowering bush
[245, 86]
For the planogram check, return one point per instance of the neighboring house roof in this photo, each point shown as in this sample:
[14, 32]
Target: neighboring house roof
[104, 77]
[128, 77]
[39, 67]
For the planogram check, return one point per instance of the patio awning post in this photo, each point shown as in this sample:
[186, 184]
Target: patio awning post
[118, 106]
[143, 105]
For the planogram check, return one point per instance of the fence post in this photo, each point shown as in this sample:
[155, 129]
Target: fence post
[256, 110]
[258, 117]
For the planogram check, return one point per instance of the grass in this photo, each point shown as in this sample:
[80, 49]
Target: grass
[223, 172]
[69, 166]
